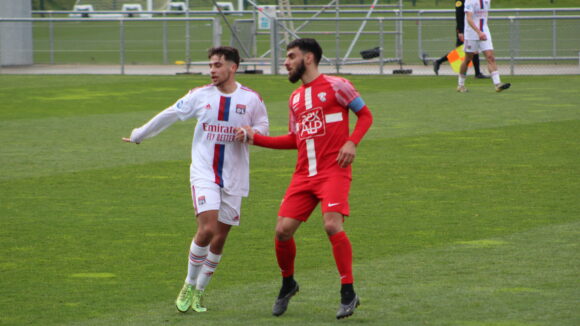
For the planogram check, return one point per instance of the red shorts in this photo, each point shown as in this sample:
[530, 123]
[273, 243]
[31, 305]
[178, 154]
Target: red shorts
[304, 193]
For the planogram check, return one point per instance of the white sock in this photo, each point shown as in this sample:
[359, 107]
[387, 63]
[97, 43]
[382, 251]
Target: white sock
[461, 80]
[207, 270]
[197, 256]
[495, 78]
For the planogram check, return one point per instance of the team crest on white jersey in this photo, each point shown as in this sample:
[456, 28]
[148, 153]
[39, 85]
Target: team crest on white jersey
[208, 107]
[312, 124]
[322, 96]
[240, 109]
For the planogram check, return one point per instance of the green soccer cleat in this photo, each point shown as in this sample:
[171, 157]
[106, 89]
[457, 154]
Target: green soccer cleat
[185, 298]
[197, 304]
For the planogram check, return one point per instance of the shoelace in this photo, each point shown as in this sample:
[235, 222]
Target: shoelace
[184, 294]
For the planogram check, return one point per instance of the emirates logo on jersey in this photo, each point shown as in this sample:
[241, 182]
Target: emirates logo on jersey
[312, 124]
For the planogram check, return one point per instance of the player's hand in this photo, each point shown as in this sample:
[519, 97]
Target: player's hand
[461, 37]
[245, 134]
[128, 140]
[346, 154]
[482, 36]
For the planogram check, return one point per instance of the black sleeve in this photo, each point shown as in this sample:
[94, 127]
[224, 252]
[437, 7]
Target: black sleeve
[460, 15]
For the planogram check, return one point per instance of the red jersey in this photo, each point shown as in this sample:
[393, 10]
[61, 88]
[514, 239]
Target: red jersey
[319, 121]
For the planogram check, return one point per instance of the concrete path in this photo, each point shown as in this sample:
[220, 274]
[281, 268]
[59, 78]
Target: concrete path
[201, 68]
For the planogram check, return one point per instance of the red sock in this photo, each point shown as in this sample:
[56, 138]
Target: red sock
[286, 253]
[342, 251]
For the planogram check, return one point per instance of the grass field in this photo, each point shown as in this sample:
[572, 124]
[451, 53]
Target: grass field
[465, 207]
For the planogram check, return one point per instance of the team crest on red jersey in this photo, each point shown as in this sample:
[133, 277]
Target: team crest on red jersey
[312, 124]
[295, 101]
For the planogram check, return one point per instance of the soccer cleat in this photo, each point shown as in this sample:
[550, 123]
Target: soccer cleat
[197, 304]
[436, 65]
[502, 87]
[346, 310]
[461, 89]
[281, 304]
[185, 298]
[481, 76]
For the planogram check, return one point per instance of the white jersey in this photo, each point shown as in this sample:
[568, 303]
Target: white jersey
[479, 9]
[215, 156]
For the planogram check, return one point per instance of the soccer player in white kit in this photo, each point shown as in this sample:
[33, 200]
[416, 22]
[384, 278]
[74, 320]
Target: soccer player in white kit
[219, 172]
[478, 39]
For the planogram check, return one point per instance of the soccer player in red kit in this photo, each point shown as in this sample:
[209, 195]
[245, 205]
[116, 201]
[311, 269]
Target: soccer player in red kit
[319, 129]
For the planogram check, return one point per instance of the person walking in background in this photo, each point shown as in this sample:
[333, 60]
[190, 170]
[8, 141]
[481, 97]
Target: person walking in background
[459, 33]
[478, 39]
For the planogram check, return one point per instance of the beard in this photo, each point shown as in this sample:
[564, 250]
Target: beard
[298, 72]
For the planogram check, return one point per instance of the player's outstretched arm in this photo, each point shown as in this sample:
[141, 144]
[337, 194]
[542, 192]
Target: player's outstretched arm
[152, 128]
[250, 135]
[128, 140]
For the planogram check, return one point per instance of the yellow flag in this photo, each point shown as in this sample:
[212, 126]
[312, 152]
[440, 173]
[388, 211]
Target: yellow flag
[456, 57]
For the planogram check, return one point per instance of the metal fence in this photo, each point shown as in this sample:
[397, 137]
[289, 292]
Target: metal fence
[535, 41]
[525, 39]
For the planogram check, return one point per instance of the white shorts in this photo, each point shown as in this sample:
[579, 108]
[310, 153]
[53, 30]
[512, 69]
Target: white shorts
[209, 196]
[472, 46]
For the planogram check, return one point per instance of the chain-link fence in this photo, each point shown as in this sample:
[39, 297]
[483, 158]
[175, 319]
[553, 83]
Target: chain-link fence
[354, 41]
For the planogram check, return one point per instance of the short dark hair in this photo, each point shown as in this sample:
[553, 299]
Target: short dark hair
[307, 45]
[229, 53]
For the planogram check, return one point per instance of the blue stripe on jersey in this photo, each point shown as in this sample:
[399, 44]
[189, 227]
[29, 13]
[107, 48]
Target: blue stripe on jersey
[357, 104]
[218, 163]
[224, 109]
[227, 109]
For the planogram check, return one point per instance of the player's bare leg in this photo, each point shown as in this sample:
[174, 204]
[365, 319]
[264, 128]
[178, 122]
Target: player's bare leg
[492, 67]
[285, 254]
[463, 72]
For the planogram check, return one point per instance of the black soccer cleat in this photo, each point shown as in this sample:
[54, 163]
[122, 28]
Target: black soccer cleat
[502, 87]
[482, 76]
[281, 304]
[346, 310]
